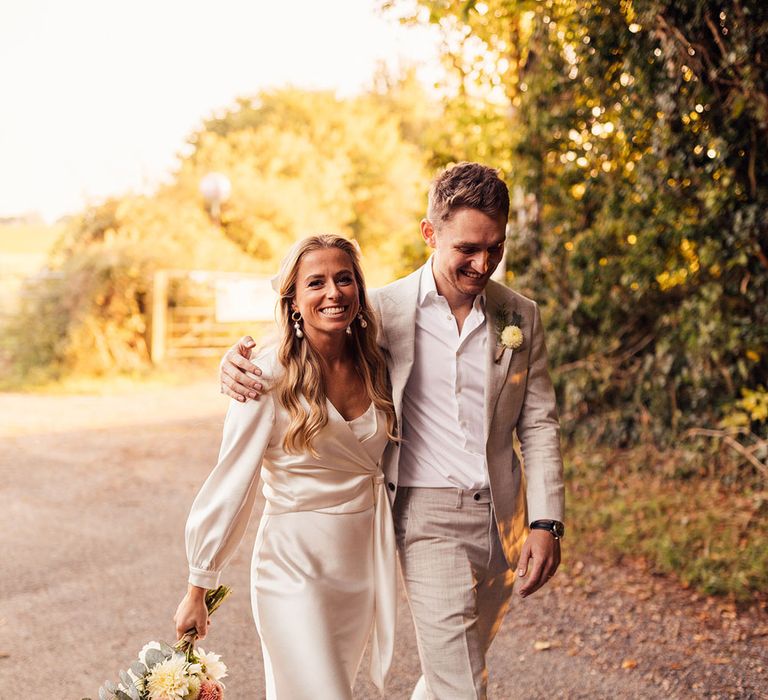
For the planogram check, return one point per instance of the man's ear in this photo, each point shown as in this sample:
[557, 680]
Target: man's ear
[428, 233]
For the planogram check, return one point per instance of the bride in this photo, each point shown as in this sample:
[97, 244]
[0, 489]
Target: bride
[323, 569]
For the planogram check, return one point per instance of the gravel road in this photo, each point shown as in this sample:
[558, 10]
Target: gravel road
[95, 491]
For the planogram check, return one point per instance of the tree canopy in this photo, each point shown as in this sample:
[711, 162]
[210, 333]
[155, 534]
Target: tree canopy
[300, 162]
[306, 162]
[635, 136]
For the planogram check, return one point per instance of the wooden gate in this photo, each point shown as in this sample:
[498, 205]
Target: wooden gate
[201, 313]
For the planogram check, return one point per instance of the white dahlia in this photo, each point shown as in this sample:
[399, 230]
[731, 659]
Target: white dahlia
[212, 664]
[512, 337]
[169, 680]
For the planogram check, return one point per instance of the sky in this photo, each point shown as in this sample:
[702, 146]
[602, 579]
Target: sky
[98, 96]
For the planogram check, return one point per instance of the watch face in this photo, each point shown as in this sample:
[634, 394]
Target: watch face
[558, 528]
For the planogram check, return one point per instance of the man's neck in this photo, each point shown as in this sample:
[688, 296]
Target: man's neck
[460, 304]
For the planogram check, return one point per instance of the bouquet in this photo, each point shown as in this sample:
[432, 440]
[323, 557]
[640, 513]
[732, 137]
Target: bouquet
[178, 672]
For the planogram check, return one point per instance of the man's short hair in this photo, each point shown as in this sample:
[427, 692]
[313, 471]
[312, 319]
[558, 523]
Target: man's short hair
[467, 186]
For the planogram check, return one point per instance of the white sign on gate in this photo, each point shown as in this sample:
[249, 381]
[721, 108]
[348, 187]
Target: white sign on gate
[245, 299]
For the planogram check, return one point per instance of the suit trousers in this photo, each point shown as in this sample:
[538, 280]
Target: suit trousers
[458, 583]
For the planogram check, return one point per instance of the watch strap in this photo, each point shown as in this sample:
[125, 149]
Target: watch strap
[554, 527]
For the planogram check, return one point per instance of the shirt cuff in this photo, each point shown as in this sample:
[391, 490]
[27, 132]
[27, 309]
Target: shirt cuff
[203, 578]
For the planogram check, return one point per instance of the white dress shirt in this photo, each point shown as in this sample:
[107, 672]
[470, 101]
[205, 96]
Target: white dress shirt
[444, 400]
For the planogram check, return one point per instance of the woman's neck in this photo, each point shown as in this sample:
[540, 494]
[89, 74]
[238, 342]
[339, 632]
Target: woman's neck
[333, 349]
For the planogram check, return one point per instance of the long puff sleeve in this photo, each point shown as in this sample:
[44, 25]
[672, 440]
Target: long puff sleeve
[222, 509]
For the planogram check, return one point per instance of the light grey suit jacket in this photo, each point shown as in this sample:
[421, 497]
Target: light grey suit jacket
[518, 397]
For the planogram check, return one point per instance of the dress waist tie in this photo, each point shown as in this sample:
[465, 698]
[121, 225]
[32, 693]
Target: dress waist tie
[385, 584]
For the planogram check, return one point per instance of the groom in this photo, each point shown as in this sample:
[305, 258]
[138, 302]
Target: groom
[468, 368]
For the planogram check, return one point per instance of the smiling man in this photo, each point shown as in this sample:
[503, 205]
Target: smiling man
[468, 368]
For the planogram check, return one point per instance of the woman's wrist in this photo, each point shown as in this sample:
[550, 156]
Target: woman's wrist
[196, 591]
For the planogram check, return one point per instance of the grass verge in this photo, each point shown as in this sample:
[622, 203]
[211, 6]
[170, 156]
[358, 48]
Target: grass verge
[709, 535]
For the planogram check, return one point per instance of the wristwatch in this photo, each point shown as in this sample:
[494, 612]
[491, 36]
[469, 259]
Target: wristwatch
[553, 527]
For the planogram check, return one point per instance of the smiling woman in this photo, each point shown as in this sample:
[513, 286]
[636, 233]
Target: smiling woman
[324, 556]
[326, 292]
[322, 290]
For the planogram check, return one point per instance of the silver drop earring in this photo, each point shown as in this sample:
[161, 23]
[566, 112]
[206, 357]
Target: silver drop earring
[348, 330]
[296, 317]
[361, 318]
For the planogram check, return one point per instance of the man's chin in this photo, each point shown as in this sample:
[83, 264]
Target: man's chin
[476, 284]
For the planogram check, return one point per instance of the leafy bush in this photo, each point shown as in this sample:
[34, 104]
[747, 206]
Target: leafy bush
[636, 142]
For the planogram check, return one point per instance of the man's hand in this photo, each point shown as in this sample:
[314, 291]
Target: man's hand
[542, 552]
[232, 371]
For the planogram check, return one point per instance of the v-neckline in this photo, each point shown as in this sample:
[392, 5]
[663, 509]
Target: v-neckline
[340, 415]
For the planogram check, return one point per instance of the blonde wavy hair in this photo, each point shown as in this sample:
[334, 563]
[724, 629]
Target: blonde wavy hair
[303, 376]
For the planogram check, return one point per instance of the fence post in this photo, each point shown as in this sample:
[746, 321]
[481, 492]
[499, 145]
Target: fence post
[159, 316]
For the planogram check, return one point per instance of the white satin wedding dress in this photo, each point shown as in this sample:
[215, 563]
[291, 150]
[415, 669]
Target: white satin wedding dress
[323, 570]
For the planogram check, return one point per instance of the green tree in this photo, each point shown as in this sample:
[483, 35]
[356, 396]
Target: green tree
[305, 162]
[299, 163]
[636, 144]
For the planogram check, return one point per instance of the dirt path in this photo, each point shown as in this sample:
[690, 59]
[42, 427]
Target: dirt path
[94, 494]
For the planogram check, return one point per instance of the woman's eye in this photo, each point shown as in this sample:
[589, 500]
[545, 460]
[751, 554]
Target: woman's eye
[315, 283]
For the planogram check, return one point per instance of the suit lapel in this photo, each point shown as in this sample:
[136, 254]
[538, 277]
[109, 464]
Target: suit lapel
[399, 303]
[495, 372]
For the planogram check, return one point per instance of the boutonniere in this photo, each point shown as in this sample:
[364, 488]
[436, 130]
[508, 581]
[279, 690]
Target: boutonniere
[508, 332]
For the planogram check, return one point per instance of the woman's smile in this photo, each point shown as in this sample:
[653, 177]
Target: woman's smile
[326, 292]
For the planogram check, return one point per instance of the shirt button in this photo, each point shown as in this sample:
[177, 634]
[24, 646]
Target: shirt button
[391, 486]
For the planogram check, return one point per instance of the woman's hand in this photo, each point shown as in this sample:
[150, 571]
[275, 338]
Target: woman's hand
[192, 614]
